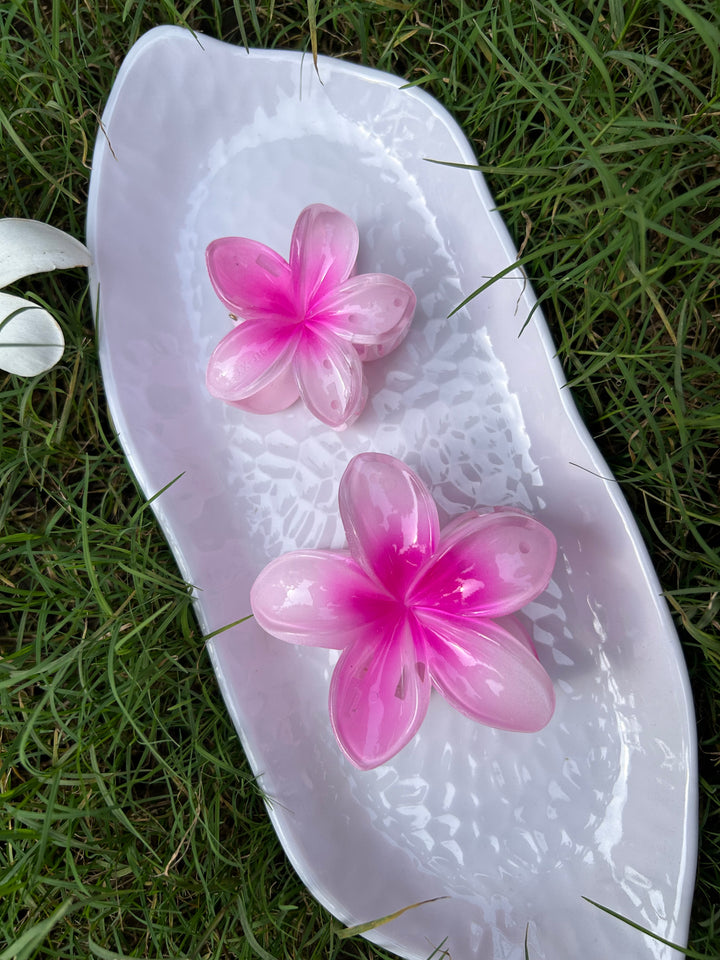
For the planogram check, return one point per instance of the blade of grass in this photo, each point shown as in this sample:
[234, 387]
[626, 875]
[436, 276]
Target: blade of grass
[366, 927]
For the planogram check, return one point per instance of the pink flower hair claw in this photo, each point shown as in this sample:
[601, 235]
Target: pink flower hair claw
[412, 608]
[306, 325]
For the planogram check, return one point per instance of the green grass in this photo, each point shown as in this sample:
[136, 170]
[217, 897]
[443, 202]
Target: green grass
[130, 824]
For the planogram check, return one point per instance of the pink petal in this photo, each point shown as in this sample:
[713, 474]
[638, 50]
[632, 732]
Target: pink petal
[488, 565]
[250, 358]
[489, 671]
[330, 378]
[369, 309]
[278, 395]
[323, 251]
[379, 693]
[315, 597]
[251, 279]
[513, 626]
[390, 519]
[373, 351]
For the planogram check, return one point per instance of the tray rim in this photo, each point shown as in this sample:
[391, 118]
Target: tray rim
[612, 486]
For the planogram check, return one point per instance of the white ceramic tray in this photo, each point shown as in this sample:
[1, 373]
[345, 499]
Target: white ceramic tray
[201, 140]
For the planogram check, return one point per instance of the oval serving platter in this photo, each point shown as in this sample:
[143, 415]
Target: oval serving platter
[200, 140]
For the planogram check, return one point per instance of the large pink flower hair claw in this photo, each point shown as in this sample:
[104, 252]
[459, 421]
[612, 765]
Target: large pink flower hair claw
[412, 608]
[304, 326]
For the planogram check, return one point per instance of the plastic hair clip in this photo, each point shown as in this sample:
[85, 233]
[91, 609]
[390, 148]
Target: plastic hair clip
[304, 326]
[412, 608]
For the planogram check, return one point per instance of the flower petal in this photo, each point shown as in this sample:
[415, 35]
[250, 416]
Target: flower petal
[278, 395]
[390, 519]
[31, 341]
[379, 693]
[330, 378]
[250, 358]
[372, 308]
[251, 279]
[373, 351]
[323, 250]
[315, 597]
[488, 565]
[489, 671]
[31, 246]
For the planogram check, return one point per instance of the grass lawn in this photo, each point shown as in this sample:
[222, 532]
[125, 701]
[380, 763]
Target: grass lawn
[129, 821]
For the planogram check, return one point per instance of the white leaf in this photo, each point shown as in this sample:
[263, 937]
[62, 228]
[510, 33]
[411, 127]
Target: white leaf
[31, 341]
[30, 246]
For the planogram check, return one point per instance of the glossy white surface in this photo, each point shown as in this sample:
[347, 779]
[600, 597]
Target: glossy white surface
[31, 339]
[209, 140]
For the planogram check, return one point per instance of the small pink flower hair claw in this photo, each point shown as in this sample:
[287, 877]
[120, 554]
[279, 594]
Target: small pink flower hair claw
[306, 325]
[412, 608]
